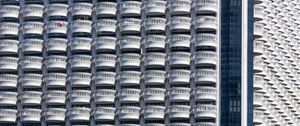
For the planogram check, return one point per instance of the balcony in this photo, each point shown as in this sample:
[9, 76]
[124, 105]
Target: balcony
[8, 115]
[155, 42]
[258, 48]
[205, 111]
[179, 94]
[56, 62]
[258, 117]
[258, 82]
[8, 64]
[30, 98]
[57, 27]
[154, 59]
[258, 65]
[129, 113]
[104, 78]
[33, 28]
[30, 115]
[180, 23]
[207, 23]
[54, 10]
[79, 114]
[32, 10]
[156, 77]
[155, 7]
[179, 76]
[80, 79]
[205, 124]
[258, 13]
[9, 11]
[55, 79]
[130, 43]
[32, 46]
[105, 61]
[130, 8]
[54, 115]
[179, 58]
[206, 58]
[155, 24]
[104, 113]
[8, 46]
[31, 63]
[179, 6]
[129, 25]
[106, 8]
[105, 26]
[206, 6]
[8, 81]
[55, 97]
[154, 112]
[56, 45]
[8, 28]
[205, 94]
[129, 95]
[81, 26]
[129, 77]
[206, 39]
[81, 9]
[180, 41]
[105, 43]
[151, 95]
[80, 44]
[31, 80]
[8, 98]
[104, 96]
[80, 61]
[258, 99]
[258, 30]
[154, 124]
[179, 112]
[129, 60]
[80, 97]
[205, 76]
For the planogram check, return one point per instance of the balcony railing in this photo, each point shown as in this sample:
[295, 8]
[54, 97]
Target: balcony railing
[106, 8]
[9, 11]
[104, 78]
[31, 80]
[81, 9]
[154, 77]
[8, 80]
[154, 7]
[8, 46]
[57, 10]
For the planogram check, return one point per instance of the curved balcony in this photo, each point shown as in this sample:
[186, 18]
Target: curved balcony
[105, 43]
[55, 97]
[57, 27]
[130, 42]
[129, 77]
[80, 44]
[205, 58]
[205, 94]
[205, 124]
[8, 98]
[155, 42]
[179, 58]
[81, 26]
[31, 63]
[258, 99]
[106, 8]
[30, 115]
[179, 76]
[258, 117]
[32, 46]
[155, 24]
[57, 10]
[104, 113]
[154, 124]
[179, 112]
[8, 81]
[258, 47]
[8, 46]
[8, 28]
[206, 6]
[8, 115]
[30, 98]
[129, 113]
[9, 11]
[31, 80]
[205, 76]
[33, 28]
[179, 6]
[104, 78]
[56, 62]
[81, 9]
[32, 10]
[105, 26]
[154, 77]
[129, 60]
[179, 94]
[79, 114]
[54, 115]
[205, 111]
[180, 23]
[180, 41]
[155, 7]
[56, 45]
[8, 64]
[129, 25]
[154, 95]
[80, 97]
[129, 95]
[258, 31]
[80, 79]
[205, 39]
[258, 12]
[258, 65]
[80, 61]
[104, 96]
[105, 61]
[55, 79]
[130, 8]
[154, 59]
[154, 112]
[206, 23]
[258, 82]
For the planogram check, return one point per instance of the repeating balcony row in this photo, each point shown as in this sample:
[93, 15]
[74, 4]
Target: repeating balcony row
[109, 113]
[110, 8]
